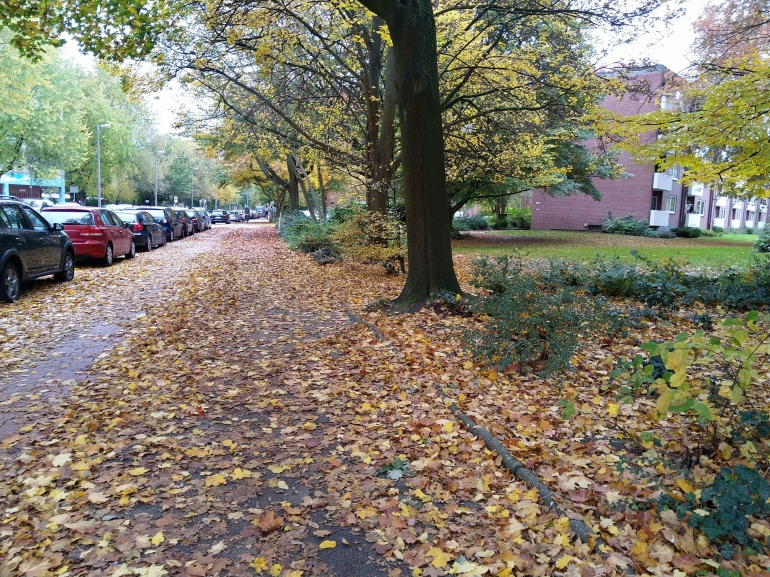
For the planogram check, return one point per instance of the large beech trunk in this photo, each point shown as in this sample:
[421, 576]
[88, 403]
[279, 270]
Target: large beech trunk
[413, 31]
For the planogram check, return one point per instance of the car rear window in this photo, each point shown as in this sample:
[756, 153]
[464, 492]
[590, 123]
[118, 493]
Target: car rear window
[158, 214]
[69, 217]
[127, 216]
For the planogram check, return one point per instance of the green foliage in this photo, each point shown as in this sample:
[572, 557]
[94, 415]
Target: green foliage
[718, 229]
[520, 218]
[367, 236]
[627, 225]
[724, 507]
[303, 233]
[687, 232]
[763, 241]
[715, 381]
[394, 469]
[667, 284]
[476, 222]
[535, 322]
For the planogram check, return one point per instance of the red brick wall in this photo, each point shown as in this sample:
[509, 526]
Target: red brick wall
[620, 197]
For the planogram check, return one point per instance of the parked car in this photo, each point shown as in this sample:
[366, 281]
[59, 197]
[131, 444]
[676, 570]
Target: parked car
[30, 248]
[39, 203]
[96, 233]
[185, 218]
[148, 233]
[206, 218]
[172, 226]
[199, 223]
[220, 216]
[259, 212]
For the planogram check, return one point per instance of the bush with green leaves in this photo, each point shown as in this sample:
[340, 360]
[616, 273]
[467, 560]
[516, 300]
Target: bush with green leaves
[687, 232]
[303, 233]
[627, 225]
[464, 223]
[762, 243]
[367, 236]
[718, 229]
[520, 218]
[535, 324]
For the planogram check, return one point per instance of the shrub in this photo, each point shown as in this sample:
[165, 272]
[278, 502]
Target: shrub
[520, 218]
[627, 225]
[371, 237]
[708, 233]
[687, 232]
[762, 243]
[665, 234]
[476, 222]
[303, 233]
[535, 325]
[718, 229]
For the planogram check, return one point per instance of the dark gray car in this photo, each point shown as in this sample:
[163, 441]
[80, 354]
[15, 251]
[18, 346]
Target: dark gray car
[30, 248]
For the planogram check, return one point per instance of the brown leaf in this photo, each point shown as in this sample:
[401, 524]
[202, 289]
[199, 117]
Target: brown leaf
[268, 522]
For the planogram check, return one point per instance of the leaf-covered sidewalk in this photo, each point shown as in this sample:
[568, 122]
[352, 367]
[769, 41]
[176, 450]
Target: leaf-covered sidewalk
[246, 439]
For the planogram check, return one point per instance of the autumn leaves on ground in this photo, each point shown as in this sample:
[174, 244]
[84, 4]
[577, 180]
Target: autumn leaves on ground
[238, 419]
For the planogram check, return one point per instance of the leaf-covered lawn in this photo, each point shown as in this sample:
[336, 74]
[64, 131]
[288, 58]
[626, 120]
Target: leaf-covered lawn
[238, 424]
[721, 251]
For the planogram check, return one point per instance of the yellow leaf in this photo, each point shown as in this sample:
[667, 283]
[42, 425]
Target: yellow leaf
[684, 485]
[138, 471]
[215, 480]
[507, 572]
[639, 548]
[440, 558]
[239, 474]
[328, 544]
[468, 365]
[448, 426]
[282, 485]
[563, 561]
[275, 570]
[296, 573]
[158, 539]
[259, 564]
[613, 409]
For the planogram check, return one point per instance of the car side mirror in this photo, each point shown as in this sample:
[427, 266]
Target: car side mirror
[57, 226]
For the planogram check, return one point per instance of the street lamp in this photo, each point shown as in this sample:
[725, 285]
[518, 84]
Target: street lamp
[192, 187]
[157, 152]
[99, 165]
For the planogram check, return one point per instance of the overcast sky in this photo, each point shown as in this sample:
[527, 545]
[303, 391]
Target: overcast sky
[669, 45]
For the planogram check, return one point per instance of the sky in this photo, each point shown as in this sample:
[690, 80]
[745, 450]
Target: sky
[667, 45]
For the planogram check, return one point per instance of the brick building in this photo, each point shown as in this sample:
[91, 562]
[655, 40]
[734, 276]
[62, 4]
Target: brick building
[646, 194]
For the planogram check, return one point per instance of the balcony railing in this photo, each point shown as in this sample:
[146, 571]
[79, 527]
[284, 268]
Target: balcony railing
[659, 218]
[662, 181]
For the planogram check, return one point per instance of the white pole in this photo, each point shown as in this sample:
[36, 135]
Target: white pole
[99, 165]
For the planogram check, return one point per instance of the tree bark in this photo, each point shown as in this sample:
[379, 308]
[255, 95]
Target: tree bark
[413, 31]
[322, 190]
[293, 185]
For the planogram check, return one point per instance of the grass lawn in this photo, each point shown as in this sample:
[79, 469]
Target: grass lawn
[730, 249]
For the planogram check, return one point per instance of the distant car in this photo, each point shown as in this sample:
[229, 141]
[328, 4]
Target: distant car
[172, 226]
[148, 233]
[185, 218]
[220, 216]
[39, 203]
[259, 212]
[206, 218]
[96, 233]
[199, 223]
[30, 248]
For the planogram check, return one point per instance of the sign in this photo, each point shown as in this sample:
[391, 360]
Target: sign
[176, 199]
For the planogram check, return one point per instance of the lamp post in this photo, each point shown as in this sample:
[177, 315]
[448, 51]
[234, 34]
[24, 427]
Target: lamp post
[99, 165]
[157, 152]
[192, 187]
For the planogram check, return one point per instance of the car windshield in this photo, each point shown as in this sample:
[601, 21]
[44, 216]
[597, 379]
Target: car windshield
[69, 217]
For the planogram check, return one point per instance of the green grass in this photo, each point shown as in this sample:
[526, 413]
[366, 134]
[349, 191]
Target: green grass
[726, 250]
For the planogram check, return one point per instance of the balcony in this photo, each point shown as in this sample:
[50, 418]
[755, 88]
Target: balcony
[659, 218]
[662, 181]
[693, 220]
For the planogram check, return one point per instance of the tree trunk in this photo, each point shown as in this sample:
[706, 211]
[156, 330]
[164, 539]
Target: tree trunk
[293, 186]
[413, 31]
[322, 191]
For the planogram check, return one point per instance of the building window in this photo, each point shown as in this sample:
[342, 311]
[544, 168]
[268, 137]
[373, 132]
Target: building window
[749, 216]
[654, 205]
[671, 204]
[736, 214]
[700, 207]
[721, 212]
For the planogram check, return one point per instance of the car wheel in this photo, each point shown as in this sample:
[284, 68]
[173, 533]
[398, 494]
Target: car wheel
[163, 239]
[171, 236]
[11, 282]
[131, 251]
[108, 256]
[67, 273]
[149, 243]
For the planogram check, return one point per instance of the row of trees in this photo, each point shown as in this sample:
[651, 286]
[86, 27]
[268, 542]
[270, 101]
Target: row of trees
[48, 123]
[442, 101]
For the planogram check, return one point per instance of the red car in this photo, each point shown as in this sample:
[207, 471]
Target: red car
[95, 232]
